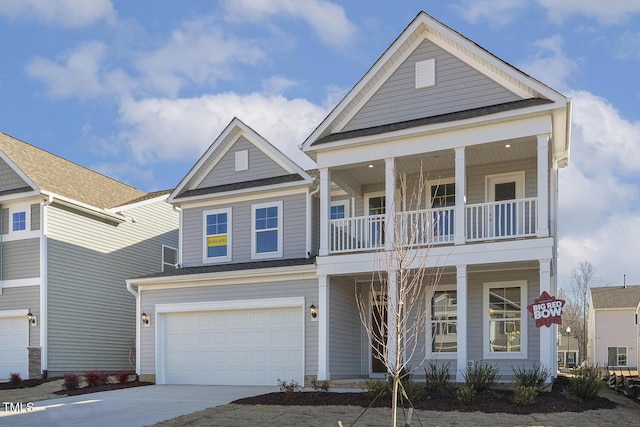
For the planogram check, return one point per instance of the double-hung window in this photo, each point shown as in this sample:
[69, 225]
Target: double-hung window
[617, 356]
[444, 321]
[217, 235]
[19, 221]
[266, 230]
[505, 333]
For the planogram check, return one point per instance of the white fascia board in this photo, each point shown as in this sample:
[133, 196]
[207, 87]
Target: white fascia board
[139, 204]
[437, 137]
[83, 207]
[35, 196]
[443, 256]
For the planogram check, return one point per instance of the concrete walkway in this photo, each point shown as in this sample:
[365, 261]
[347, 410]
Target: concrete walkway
[132, 407]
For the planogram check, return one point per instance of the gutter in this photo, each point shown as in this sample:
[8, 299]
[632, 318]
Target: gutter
[83, 207]
[137, 320]
[309, 222]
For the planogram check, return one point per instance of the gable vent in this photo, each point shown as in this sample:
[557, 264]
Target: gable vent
[426, 73]
[242, 160]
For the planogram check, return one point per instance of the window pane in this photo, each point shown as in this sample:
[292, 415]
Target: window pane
[444, 322]
[216, 224]
[267, 241]
[337, 212]
[216, 251]
[612, 359]
[266, 218]
[504, 335]
[19, 221]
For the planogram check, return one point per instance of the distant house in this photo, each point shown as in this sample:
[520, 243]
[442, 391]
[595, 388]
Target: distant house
[69, 238]
[568, 351]
[612, 330]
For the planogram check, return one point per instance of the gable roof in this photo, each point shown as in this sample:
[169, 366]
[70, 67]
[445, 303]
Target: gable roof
[615, 297]
[46, 172]
[187, 188]
[425, 27]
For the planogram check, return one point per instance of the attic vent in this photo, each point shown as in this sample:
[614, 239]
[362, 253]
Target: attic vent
[426, 73]
[242, 160]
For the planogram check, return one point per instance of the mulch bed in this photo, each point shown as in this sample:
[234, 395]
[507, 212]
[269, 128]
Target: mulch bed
[25, 383]
[103, 387]
[557, 400]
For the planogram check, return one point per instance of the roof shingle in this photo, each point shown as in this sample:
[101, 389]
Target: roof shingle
[615, 297]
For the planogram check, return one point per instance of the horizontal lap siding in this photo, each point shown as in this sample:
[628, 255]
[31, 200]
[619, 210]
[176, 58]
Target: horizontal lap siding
[24, 298]
[458, 87]
[9, 179]
[91, 314]
[294, 234]
[344, 330]
[476, 188]
[20, 259]
[260, 166]
[301, 288]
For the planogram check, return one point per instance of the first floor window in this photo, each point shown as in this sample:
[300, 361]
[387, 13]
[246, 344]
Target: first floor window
[217, 227]
[444, 322]
[267, 230]
[504, 314]
[19, 221]
[617, 356]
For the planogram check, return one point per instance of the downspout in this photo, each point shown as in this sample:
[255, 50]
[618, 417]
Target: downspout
[137, 296]
[309, 219]
[44, 289]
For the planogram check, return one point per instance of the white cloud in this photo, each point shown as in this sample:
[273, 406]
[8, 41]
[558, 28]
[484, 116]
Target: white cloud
[606, 12]
[277, 85]
[161, 129]
[497, 13]
[77, 76]
[549, 64]
[328, 20]
[628, 46]
[64, 13]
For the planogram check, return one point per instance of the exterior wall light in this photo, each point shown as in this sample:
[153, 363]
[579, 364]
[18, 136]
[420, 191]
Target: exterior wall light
[146, 320]
[33, 320]
[313, 310]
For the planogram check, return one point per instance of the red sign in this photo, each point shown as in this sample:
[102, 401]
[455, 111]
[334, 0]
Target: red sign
[546, 310]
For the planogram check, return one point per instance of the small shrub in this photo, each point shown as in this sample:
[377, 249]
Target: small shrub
[71, 381]
[466, 395]
[436, 377]
[377, 388]
[123, 377]
[481, 376]
[288, 387]
[95, 378]
[534, 377]
[15, 379]
[585, 383]
[411, 390]
[525, 395]
[322, 386]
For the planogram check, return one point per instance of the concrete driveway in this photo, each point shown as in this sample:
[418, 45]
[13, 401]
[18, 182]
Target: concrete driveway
[137, 406]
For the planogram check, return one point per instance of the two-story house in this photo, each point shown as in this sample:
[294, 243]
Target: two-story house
[253, 303]
[69, 237]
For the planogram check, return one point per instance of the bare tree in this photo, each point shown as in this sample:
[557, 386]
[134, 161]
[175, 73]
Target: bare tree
[397, 321]
[575, 312]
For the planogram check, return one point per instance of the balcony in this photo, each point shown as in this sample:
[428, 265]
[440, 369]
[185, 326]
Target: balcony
[511, 219]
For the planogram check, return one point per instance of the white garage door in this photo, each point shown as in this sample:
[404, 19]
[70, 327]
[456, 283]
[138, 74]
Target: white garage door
[14, 340]
[233, 347]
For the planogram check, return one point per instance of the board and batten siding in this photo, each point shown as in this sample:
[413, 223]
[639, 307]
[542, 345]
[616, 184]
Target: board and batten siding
[24, 298]
[260, 166]
[9, 179]
[345, 327]
[20, 259]
[92, 316]
[307, 288]
[458, 87]
[294, 233]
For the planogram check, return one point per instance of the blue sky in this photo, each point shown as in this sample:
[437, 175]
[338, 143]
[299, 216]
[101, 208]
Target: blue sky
[139, 89]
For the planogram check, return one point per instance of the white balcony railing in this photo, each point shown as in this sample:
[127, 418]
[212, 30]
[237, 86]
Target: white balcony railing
[485, 221]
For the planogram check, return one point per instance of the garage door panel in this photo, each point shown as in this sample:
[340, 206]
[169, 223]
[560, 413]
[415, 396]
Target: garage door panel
[245, 347]
[14, 340]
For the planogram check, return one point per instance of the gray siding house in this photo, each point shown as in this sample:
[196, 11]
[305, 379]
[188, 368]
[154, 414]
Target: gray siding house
[69, 239]
[277, 267]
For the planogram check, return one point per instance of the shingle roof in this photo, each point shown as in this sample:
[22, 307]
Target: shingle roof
[440, 118]
[221, 268]
[615, 297]
[65, 178]
[241, 185]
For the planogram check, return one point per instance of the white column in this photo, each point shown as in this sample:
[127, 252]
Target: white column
[461, 197]
[323, 328]
[392, 318]
[325, 207]
[547, 337]
[543, 186]
[461, 327]
[390, 203]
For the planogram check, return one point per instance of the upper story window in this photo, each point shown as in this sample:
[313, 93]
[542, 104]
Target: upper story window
[339, 210]
[266, 233]
[217, 235]
[505, 334]
[19, 221]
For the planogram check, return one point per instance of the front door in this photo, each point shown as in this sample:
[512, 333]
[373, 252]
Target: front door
[503, 216]
[375, 207]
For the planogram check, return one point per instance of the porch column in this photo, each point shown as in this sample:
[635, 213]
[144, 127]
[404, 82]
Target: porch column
[390, 203]
[461, 197]
[461, 327]
[548, 337]
[543, 186]
[323, 328]
[392, 317]
[325, 206]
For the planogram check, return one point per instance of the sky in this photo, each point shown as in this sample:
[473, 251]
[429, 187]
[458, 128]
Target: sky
[138, 90]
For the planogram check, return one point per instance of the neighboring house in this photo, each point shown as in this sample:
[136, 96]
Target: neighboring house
[252, 303]
[69, 238]
[612, 326]
[568, 353]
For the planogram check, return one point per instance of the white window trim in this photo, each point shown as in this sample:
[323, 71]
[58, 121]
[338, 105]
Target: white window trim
[436, 182]
[344, 203]
[501, 178]
[262, 255]
[205, 257]
[373, 195]
[429, 337]
[618, 347]
[487, 353]
[27, 218]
